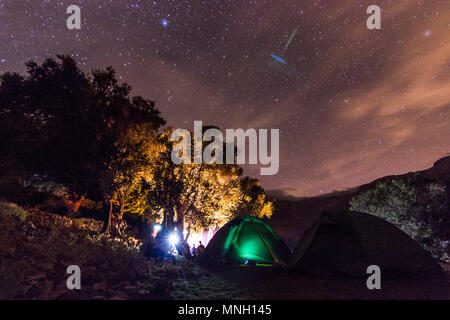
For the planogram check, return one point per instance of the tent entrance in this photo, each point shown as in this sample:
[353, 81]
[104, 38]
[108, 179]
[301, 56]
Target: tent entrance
[275, 259]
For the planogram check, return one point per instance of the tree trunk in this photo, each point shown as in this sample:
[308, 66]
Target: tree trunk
[180, 217]
[121, 224]
[107, 208]
[164, 224]
[168, 219]
[189, 232]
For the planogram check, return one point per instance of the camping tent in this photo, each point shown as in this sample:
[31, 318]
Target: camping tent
[247, 238]
[349, 242]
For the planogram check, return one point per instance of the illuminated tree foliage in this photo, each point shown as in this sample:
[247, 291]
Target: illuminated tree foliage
[130, 168]
[202, 195]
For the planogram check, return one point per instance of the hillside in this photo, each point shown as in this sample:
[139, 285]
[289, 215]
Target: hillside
[36, 247]
[292, 217]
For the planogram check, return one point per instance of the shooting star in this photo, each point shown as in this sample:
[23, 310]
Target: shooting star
[293, 34]
[278, 58]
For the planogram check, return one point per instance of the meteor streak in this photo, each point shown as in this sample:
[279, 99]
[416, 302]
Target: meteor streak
[289, 40]
[278, 58]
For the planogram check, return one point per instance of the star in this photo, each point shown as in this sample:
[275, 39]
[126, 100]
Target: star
[339, 88]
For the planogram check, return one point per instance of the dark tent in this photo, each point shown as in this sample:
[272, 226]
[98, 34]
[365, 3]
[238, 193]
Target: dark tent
[349, 242]
[247, 238]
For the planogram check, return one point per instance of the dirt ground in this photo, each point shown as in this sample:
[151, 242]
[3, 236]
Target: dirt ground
[269, 283]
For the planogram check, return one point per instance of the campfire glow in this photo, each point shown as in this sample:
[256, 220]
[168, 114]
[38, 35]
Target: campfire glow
[204, 236]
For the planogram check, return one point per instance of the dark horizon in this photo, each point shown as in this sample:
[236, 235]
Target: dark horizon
[283, 194]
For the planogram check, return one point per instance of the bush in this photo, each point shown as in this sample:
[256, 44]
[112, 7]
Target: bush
[12, 210]
[419, 209]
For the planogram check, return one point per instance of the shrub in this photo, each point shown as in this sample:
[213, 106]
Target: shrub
[13, 210]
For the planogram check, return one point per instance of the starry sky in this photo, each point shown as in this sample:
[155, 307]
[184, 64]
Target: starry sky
[352, 104]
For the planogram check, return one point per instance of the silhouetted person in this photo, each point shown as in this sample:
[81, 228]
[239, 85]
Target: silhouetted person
[200, 248]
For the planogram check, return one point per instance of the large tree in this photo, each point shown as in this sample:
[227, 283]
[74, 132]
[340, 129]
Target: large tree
[87, 132]
[75, 128]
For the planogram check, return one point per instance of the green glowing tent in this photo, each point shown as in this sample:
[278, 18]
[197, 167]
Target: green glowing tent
[247, 238]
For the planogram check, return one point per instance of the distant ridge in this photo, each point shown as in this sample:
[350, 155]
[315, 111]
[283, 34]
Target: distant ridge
[292, 214]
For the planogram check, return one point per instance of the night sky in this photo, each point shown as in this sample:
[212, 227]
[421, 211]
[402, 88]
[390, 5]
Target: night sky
[352, 104]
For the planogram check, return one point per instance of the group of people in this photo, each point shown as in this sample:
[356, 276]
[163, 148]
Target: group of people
[190, 253]
[199, 250]
[156, 247]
